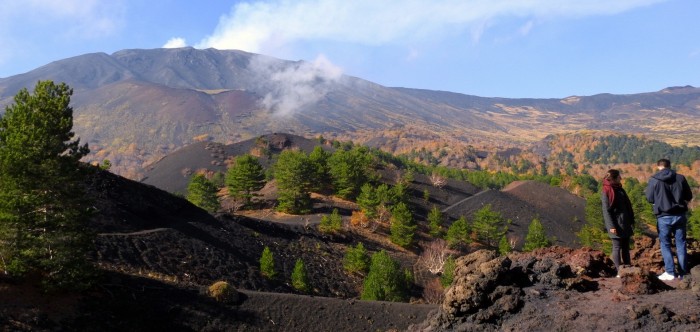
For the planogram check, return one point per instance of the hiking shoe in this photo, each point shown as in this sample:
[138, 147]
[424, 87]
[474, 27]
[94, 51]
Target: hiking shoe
[666, 276]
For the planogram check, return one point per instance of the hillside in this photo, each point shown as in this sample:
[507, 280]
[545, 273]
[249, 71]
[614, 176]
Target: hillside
[135, 106]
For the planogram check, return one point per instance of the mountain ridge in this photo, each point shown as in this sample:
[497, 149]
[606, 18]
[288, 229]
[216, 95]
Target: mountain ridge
[136, 106]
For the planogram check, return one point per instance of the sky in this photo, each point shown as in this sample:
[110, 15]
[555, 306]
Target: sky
[490, 48]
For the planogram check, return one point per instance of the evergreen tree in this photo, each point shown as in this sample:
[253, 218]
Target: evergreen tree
[593, 233]
[489, 225]
[435, 222]
[385, 280]
[318, 158]
[43, 206]
[458, 233]
[368, 200]
[332, 223]
[356, 259]
[294, 174]
[244, 177]
[349, 170]
[504, 246]
[267, 263]
[402, 226]
[448, 272]
[536, 236]
[202, 193]
[300, 281]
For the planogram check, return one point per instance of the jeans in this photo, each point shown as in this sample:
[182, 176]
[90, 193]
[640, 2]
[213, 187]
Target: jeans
[620, 250]
[675, 226]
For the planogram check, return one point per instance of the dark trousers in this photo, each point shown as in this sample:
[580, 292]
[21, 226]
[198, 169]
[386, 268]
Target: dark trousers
[620, 250]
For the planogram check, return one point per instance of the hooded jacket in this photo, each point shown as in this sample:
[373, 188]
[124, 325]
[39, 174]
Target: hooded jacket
[669, 192]
[618, 214]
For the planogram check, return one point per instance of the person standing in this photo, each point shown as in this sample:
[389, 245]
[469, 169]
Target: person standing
[670, 193]
[618, 216]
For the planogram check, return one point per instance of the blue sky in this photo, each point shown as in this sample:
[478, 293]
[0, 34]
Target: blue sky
[494, 48]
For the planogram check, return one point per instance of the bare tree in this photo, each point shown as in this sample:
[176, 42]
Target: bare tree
[438, 180]
[434, 256]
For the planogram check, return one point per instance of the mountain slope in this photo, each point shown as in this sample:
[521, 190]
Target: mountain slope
[136, 106]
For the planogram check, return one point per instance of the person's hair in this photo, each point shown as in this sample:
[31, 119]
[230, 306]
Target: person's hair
[664, 162]
[612, 174]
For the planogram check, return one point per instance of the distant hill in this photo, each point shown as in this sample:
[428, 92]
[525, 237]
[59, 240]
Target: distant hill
[135, 106]
[561, 213]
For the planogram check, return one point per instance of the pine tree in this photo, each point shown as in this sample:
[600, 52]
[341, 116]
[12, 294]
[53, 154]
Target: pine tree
[294, 174]
[267, 263]
[43, 206]
[385, 280]
[489, 225]
[536, 236]
[368, 200]
[458, 233]
[448, 272]
[318, 158]
[202, 193]
[349, 170]
[245, 176]
[300, 281]
[332, 223]
[435, 222]
[402, 226]
[356, 259]
[504, 246]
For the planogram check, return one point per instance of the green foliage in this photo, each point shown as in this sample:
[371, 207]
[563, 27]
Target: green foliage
[694, 225]
[448, 272]
[426, 195]
[435, 220]
[593, 233]
[300, 280]
[356, 259]
[643, 212]
[332, 223]
[349, 170]
[504, 246]
[385, 280]
[489, 225]
[294, 173]
[536, 236]
[635, 150]
[318, 158]
[402, 225]
[202, 193]
[244, 177]
[368, 200]
[267, 263]
[458, 233]
[43, 206]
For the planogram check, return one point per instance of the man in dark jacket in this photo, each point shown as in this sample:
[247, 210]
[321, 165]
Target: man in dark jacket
[670, 193]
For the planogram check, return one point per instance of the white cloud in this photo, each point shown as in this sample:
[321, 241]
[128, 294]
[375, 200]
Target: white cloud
[73, 18]
[175, 42]
[266, 26]
[288, 88]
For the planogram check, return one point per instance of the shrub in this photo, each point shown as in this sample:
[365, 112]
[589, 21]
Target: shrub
[221, 291]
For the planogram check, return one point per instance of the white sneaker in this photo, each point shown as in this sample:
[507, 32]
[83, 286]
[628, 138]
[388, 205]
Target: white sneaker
[666, 276]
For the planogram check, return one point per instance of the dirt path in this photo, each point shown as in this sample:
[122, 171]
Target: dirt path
[464, 200]
[147, 231]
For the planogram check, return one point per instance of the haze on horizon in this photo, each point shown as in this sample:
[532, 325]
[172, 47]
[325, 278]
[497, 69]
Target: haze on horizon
[506, 48]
